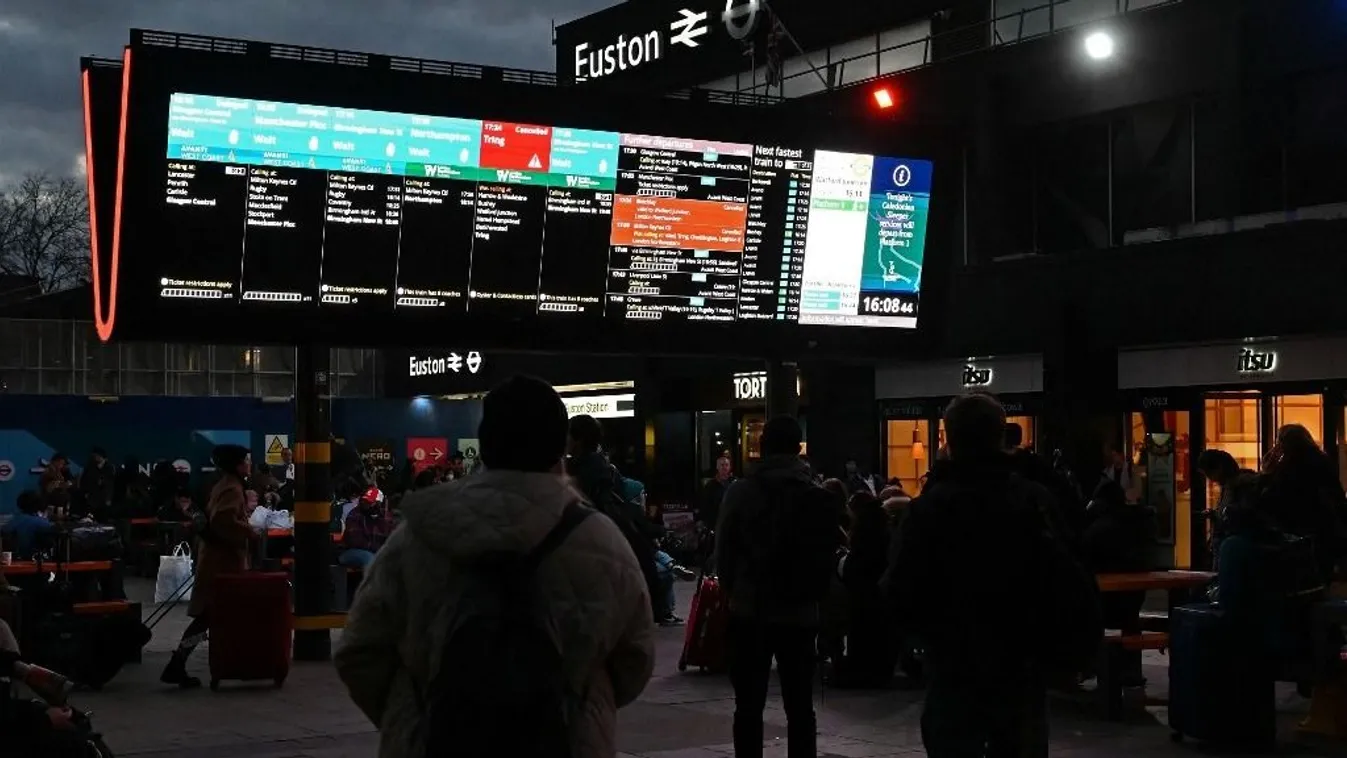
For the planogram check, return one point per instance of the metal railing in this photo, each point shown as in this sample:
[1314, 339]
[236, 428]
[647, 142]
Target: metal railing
[58, 357]
[1023, 25]
[402, 64]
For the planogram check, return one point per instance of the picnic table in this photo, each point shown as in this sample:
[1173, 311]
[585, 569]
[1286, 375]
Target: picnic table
[29, 568]
[1122, 646]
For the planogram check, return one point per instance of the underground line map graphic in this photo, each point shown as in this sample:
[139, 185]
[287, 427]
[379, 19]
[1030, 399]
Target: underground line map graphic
[895, 235]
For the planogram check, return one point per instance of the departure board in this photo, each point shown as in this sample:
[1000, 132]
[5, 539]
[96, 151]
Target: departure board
[275, 205]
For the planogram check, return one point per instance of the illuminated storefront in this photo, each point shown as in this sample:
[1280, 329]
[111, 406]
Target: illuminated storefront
[912, 398]
[1232, 396]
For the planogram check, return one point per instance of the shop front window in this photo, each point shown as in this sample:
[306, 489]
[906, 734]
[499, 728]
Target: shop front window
[1232, 424]
[907, 458]
[1306, 410]
[1026, 425]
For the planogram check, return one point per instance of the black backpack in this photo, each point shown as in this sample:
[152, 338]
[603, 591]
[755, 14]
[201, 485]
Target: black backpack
[798, 529]
[500, 688]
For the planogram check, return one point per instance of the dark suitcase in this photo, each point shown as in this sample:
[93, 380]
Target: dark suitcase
[1216, 694]
[89, 650]
[251, 627]
[708, 627]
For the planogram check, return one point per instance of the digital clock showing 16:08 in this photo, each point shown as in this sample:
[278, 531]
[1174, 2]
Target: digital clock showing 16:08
[888, 305]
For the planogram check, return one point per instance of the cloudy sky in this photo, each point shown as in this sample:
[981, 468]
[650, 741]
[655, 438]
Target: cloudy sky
[41, 42]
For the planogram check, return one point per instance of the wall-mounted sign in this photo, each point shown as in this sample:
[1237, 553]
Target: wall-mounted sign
[977, 377]
[1253, 361]
[750, 386]
[438, 365]
[601, 406]
[685, 28]
[377, 454]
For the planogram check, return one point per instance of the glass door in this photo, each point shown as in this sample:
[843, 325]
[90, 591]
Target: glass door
[750, 438]
[907, 452]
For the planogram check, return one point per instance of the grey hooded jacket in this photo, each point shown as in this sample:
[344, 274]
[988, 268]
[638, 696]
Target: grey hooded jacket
[394, 634]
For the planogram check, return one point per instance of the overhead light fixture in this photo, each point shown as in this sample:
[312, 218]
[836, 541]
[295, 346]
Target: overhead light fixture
[884, 98]
[1099, 46]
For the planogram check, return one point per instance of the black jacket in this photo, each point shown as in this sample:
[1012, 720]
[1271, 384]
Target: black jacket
[743, 544]
[1119, 538]
[962, 568]
[1067, 512]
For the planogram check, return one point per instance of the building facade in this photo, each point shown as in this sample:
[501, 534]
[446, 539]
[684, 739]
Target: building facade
[1130, 174]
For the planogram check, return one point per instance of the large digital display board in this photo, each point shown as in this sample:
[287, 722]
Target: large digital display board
[284, 206]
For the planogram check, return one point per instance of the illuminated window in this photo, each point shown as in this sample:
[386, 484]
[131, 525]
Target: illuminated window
[907, 458]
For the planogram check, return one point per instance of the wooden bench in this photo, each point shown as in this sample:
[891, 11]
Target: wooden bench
[1138, 642]
[1113, 658]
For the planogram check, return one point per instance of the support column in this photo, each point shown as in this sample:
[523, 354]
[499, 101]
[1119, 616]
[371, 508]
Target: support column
[313, 505]
[783, 398]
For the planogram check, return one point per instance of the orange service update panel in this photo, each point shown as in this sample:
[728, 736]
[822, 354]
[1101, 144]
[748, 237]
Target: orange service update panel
[672, 222]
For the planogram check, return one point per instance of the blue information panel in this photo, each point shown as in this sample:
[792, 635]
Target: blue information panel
[288, 205]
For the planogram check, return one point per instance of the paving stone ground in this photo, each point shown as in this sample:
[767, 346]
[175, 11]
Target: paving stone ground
[680, 715]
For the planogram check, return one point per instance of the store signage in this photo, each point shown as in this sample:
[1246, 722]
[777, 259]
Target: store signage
[686, 29]
[975, 377]
[1257, 362]
[752, 386]
[1160, 401]
[453, 363]
[601, 406]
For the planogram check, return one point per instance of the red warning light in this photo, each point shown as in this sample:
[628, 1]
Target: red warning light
[884, 98]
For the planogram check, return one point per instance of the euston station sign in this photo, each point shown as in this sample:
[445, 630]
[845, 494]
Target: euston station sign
[451, 363]
[687, 28]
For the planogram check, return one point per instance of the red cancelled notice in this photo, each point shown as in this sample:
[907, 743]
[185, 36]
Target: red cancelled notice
[518, 147]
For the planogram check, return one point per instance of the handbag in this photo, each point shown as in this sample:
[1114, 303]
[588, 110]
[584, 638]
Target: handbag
[175, 579]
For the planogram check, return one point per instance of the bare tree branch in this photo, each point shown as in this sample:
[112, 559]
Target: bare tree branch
[44, 232]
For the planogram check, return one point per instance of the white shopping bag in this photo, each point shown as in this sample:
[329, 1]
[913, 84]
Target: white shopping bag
[280, 520]
[260, 517]
[175, 576]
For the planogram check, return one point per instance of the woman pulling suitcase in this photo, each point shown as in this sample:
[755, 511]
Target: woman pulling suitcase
[222, 549]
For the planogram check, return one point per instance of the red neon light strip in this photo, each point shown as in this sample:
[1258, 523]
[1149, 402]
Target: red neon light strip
[103, 325]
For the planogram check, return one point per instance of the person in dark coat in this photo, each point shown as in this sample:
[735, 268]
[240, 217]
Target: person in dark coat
[871, 649]
[713, 492]
[97, 484]
[1118, 538]
[1302, 493]
[965, 563]
[222, 549]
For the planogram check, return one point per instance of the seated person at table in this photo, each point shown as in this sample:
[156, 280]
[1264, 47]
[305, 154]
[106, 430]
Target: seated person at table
[32, 727]
[25, 531]
[1264, 584]
[367, 529]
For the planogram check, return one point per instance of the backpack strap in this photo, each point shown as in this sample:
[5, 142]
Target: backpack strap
[571, 517]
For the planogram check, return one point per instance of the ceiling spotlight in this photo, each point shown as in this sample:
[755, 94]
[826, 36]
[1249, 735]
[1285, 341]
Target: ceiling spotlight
[1099, 46]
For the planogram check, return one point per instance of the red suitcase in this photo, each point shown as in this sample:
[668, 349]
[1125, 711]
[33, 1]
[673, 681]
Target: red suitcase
[708, 622]
[251, 628]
